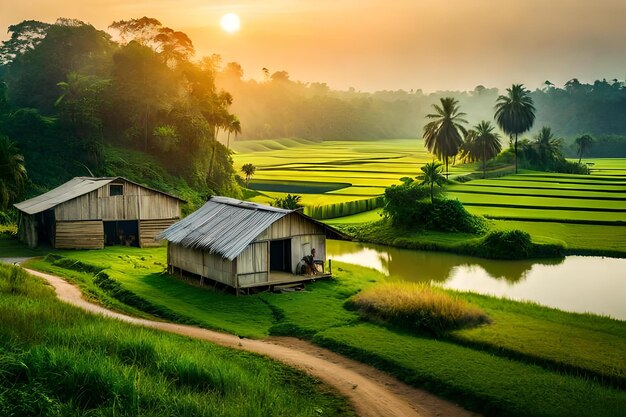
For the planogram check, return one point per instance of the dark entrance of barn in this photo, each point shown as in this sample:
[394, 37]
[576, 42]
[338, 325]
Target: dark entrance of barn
[122, 232]
[280, 255]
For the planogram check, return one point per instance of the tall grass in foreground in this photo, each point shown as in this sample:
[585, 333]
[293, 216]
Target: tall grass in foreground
[56, 360]
[416, 306]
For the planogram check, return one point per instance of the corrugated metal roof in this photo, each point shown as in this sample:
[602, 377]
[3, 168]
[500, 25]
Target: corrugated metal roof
[65, 192]
[223, 226]
[73, 188]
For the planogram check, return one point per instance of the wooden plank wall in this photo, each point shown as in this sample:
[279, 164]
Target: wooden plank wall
[253, 264]
[136, 203]
[148, 229]
[202, 263]
[79, 235]
[291, 225]
[27, 230]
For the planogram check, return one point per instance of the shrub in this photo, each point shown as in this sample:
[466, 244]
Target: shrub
[400, 201]
[506, 244]
[417, 307]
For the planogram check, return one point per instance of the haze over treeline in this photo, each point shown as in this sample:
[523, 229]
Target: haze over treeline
[279, 106]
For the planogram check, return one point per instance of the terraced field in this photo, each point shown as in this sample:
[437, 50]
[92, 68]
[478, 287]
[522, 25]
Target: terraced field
[583, 199]
[339, 174]
[331, 173]
[606, 166]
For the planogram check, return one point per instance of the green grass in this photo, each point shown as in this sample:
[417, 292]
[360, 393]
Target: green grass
[577, 238]
[142, 272]
[556, 215]
[56, 360]
[531, 360]
[11, 247]
[494, 385]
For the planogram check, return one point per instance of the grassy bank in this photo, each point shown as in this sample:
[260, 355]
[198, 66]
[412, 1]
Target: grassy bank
[489, 245]
[575, 239]
[56, 360]
[529, 361]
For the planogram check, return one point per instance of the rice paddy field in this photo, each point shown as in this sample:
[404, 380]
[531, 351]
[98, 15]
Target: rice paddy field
[331, 172]
[348, 172]
[340, 182]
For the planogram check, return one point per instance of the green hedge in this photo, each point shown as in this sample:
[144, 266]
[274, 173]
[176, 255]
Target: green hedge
[346, 208]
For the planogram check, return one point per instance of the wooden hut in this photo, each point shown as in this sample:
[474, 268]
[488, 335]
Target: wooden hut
[244, 244]
[89, 213]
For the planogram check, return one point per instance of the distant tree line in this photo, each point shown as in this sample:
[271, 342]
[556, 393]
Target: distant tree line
[70, 90]
[281, 107]
[446, 136]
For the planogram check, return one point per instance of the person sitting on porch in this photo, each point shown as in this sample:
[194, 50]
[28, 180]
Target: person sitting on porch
[312, 263]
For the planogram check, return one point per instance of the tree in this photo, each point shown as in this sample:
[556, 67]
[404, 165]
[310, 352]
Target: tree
[431, 176]
[515, 113]
[173, 46]
[13, 175]
[583, 143]
[481, 143]
[68, 46]
[289, 202]
[234, 126]
[249, 170]
[443, 135]
[548, 147]
[24, 37]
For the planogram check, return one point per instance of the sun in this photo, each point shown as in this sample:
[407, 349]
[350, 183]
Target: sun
[230, 22]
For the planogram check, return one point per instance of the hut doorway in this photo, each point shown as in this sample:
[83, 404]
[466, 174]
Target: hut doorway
[45, 227]
[280, 255]
[123, 232]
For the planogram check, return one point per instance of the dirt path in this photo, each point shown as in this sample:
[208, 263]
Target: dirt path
[371, 392]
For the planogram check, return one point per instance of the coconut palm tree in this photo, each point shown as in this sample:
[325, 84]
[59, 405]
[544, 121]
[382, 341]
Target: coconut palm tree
[548, 146]
[249, 170]
[584, 143]
[13, 175]
[234, 126]
[481, 144]
[431, 176]
[443, 136]
[515, 113]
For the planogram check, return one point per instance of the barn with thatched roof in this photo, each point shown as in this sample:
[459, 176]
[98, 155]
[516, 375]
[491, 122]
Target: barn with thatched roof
[89, 213]
[244, 244]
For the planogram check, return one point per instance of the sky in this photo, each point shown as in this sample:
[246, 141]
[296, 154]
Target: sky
[384, 44]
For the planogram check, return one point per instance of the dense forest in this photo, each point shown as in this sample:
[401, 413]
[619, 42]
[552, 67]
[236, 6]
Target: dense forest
[135, 100]
[72, 95]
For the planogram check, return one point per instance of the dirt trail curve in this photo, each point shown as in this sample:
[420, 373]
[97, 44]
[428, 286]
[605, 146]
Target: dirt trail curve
[371, 392]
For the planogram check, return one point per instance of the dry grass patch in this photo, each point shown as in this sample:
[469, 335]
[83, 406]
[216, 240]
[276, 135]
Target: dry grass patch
[418, 307]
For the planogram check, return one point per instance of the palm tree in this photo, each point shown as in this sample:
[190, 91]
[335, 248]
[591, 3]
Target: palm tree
[469, 150]
[481, 143]
[249, 170]
[13, 175]
[548, 146]
[431, 176]
[585, 142]
[234, 126]
[515, 113]
[443, 136]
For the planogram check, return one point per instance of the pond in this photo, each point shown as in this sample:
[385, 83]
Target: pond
[576, 283]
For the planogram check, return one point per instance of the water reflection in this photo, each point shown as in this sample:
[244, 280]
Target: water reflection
[421, 266]
[575, 283]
